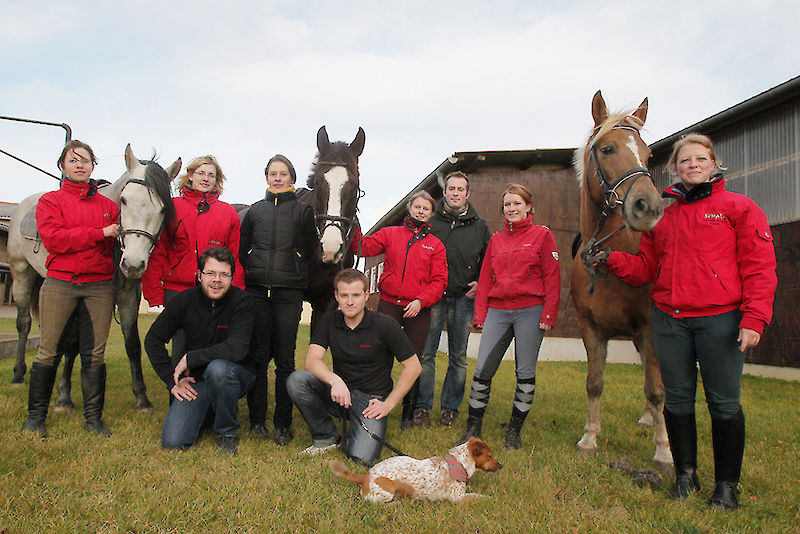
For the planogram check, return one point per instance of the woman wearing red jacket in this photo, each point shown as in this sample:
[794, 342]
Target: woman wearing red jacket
[201, 221]
[713, 263]
[414, 277]
[78, 227]
[518, 294]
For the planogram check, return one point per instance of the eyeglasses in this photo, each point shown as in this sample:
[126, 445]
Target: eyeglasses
[211, 175]
[214, 274]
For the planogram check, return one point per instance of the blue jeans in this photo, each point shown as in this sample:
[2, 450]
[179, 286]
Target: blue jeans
[312, 397]
[224, 383]
[458, 311]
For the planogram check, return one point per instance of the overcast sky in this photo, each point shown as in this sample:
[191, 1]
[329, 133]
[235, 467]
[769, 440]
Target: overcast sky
[246, 80]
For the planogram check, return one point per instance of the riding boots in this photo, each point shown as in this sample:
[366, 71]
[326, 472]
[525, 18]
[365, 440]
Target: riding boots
[42, 378]
[474, 425]
[728, 441]
[93, 383]
[682, 432]
[513, 429]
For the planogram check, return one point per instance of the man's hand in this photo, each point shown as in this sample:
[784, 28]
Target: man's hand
[473, 290]
[183, 390]
[180, 369]
[747, 339]
[339, 393]
[376, 409]
[412, 309]
[544, 326]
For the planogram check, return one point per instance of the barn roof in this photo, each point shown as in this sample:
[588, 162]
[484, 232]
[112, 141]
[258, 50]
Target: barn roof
[469, 162]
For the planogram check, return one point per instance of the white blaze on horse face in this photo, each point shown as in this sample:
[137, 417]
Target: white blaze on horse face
[332, 238]
[634, 147]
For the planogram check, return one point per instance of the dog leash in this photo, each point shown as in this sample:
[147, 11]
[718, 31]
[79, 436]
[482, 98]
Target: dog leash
[344, 416]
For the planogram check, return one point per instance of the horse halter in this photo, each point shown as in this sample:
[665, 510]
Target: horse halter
[345, 225]
[593, 250]
[136, 231]
[610, 188]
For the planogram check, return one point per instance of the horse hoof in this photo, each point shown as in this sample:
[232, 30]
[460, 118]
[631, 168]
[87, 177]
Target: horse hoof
[63, 406]
[665, 467]
[646, 419]
[585, 449]
[17, 380]
[145, 408]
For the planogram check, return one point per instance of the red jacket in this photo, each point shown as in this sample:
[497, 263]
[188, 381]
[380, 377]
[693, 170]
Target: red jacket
[418, 271]
[173, 263]
[520, 270]
[70, 222]
[707, 256]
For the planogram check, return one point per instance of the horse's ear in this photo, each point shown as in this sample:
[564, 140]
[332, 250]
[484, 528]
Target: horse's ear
[641, 111]
[323, 144]
[173, 170]
[131, 161]
[357, 146]
[599, 109]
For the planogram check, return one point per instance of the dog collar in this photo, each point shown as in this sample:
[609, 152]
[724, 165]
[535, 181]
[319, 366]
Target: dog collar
[457, 470]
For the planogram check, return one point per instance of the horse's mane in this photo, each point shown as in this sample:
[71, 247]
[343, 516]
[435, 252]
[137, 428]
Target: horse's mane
[619, 117]
[157, 180]
[339, 153]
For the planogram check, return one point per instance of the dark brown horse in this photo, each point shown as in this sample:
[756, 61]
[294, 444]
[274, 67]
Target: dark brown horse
[618, 202]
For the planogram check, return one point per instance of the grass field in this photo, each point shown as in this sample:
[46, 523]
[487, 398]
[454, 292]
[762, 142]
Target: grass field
[76, 482]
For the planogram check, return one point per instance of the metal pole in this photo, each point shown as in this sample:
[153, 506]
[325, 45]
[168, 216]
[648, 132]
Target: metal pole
[66, 127]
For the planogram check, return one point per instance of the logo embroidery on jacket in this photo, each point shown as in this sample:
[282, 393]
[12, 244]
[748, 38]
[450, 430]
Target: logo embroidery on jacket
[714, 216]
[555, 255]
[428, 247]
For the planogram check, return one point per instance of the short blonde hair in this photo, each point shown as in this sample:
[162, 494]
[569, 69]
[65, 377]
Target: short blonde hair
[698, 139]
[423, 194]
[196, 164]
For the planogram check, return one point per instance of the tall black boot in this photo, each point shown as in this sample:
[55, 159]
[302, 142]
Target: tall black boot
[728, 441]
[93, 383]
[513, 429]
[42, 378]
[474, 425]
[682, 433]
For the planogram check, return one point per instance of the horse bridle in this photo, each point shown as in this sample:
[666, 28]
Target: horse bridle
[592, 251]
[345, 225]
[136, 231]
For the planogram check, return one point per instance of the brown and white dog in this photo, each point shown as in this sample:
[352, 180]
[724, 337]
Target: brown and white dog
[437, 478]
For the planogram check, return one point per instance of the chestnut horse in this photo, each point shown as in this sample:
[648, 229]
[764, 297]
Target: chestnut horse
[618, 202]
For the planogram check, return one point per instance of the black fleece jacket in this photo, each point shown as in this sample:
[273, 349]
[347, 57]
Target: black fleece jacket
[215, 330]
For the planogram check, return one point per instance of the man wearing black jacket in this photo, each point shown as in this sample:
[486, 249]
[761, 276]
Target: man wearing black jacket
[215, 372]
[465, 236]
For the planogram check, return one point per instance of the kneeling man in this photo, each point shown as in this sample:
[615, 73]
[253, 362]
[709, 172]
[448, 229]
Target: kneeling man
[215, 371]
[363, 345]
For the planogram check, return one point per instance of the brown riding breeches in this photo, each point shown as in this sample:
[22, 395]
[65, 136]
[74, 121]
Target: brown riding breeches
[57, 300]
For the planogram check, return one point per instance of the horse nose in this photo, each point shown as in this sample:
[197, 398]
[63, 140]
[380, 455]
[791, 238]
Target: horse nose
[329, 257]
[133, 269]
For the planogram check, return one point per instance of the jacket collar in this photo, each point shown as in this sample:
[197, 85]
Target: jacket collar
[281, 197]
[468, 214]
[698, 192]
[524, 224]
[202, 200]
[82, 190]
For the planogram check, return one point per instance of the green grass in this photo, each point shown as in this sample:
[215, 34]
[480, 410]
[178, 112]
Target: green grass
[76, 482]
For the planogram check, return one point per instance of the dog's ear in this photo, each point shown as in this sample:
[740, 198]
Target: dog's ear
[475, 446]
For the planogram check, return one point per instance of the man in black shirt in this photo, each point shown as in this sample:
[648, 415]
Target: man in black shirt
[215, 371]
[364, 345]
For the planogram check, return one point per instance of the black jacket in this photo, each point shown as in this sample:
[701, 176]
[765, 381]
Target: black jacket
[215, 330]
[279, 245]
[465, 237]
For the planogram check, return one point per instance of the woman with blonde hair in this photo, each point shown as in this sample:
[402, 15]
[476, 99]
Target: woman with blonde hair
[712, 265]
[201, 221]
